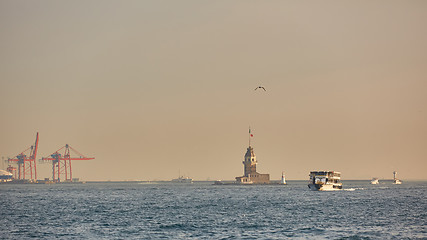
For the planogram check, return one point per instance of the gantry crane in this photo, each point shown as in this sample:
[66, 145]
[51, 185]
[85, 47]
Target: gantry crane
[26, 161]
[12, 170]
[61, 163]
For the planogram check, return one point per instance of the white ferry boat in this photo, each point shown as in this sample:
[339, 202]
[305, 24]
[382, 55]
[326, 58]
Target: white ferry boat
[325, 181]
[375, 181]
[182, 179]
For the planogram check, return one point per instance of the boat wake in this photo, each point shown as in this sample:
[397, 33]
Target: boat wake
[353, 189]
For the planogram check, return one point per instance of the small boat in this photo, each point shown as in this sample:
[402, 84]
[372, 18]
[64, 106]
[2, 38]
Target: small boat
[218, 182]
[375, 181]
[395, 180]
[325, 181]
[182, 179]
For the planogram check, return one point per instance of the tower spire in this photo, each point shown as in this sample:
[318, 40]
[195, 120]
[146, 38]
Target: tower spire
[250, 135]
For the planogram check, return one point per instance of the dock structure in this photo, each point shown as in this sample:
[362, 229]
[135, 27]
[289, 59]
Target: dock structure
[61, 163]
[26, 171]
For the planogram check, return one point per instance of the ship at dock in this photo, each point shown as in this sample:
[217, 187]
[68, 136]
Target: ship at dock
[5, 176]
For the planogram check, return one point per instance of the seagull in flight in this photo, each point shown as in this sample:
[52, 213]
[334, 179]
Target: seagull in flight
[260, 87]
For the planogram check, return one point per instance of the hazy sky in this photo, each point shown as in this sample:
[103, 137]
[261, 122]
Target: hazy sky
[154, 88]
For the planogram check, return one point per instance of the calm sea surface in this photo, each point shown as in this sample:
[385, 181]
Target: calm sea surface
[206, 211]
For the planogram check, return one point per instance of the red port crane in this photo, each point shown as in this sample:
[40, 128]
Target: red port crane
[61, 163]
[26, 161]
[12, 170]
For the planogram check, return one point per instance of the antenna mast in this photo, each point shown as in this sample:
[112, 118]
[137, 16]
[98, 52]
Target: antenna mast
[249, 136]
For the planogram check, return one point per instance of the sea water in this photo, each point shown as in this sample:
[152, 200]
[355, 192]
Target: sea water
[207, 211]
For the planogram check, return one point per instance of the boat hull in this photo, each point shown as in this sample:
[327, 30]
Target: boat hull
[182, 180]
[375, 181]
[325, 187]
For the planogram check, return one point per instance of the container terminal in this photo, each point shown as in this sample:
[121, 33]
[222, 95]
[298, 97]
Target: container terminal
[23, 168]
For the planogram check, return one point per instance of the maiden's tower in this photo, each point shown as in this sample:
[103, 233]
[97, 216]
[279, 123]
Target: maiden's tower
[251, 176]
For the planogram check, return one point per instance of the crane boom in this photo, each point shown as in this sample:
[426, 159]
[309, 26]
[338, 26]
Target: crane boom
[61, 163]
[26, 161]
